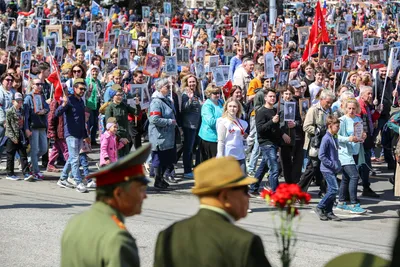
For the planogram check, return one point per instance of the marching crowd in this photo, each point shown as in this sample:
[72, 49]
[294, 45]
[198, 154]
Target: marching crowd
[57, 112]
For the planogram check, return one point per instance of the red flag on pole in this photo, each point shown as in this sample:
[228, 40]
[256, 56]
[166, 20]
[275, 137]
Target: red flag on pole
[318, 33]
[109, 26]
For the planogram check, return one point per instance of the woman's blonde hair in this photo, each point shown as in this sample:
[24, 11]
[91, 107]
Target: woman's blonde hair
[238, 113]
[351, 100]
[212, 88]
[185, 84]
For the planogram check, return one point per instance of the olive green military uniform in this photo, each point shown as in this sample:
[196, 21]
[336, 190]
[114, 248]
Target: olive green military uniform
[208, 239]
[98, 237]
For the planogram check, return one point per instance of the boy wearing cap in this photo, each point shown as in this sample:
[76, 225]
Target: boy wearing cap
[121, 190]
[211, 238]
[17, 140]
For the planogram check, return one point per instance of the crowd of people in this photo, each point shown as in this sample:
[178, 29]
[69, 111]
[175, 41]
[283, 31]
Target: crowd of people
[304, 117]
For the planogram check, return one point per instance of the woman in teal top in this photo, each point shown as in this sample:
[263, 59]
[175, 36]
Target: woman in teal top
[211, 110]
[349, 151]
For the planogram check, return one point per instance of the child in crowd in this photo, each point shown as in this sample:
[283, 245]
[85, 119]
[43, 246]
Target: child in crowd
[108, 143]
[330, 167]
[17, 140]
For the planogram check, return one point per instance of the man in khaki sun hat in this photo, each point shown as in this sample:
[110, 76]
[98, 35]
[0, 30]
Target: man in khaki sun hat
[211, 238]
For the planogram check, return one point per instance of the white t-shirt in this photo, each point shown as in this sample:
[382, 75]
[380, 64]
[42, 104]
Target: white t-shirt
[231, 138]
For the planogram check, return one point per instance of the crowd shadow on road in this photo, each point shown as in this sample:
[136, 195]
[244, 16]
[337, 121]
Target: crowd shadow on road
[43, 206]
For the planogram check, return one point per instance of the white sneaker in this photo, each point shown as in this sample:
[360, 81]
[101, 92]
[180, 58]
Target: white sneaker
[72, 181]
[91, 184]
[13, 178]
[29, 177]
[81, 188]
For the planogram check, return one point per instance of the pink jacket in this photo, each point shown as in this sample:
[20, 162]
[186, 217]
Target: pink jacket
[108, 148]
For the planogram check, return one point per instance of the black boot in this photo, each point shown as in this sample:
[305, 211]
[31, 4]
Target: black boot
[159, 181]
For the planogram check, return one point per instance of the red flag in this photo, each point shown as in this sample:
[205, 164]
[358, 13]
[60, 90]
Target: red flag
[26, 14]
[58, 89]
[226, 89]
[109, 26]
[318, 34]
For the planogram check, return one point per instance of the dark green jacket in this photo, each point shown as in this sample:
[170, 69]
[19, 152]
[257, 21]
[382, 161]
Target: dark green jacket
[98, 237]
[208, 239]
[120, 112]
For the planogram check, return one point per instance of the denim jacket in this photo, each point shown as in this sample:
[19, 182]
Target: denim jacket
[161, 129]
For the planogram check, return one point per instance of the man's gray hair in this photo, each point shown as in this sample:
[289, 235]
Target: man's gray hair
[161, 83]
[364, 89]
[327, 94]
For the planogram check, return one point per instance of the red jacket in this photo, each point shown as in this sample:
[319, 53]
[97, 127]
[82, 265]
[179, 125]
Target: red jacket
[55, 124]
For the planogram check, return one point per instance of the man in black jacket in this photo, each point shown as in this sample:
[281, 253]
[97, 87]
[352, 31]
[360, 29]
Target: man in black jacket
[269, 136]
[388, 93]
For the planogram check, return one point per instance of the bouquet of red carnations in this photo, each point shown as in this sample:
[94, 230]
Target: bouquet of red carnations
[286, 198]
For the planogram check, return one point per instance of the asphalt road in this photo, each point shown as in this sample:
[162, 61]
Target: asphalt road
[33, 216]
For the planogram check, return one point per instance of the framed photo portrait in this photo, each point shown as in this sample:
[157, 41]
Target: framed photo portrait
[167, 9]
[264, 29]
[123, 58]
[56, 31]
[326, 52]
[289, 111]
[358, 39]
[269, 65]
[111, 38]
[39, 12]
[29, 36]
[155, 39]
[171, 67]
[303, 33]
[213, 62]
[81, 37]
[152, 65]
[342, 27]
[26, 60]
[106, 50]
[339, 48]
[347, 63]
[145, 13]
[12, 40]
[182, 56]
[99, 29]
[50, 45]
[67, 30]
[304, 104]
[283, 80]
[199, 69]
[225, 71]
[59, 54]
[218, 77]
[228, 46]
[187, 29]
[242, 23]
[337, 64]
[90, 41]
[37, 103]
[376, 57]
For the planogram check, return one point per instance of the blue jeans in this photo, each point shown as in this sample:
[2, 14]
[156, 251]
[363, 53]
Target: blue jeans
[38, 142]
[74, 146]
[255, 153]
[189, 137]
[349, 183]
[329, 199]
[269, 161]
[84, 163]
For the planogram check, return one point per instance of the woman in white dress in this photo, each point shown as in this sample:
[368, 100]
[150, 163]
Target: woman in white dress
[231, 132]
